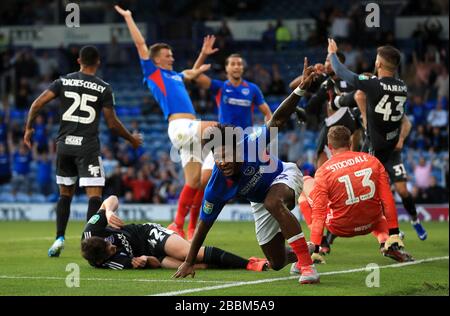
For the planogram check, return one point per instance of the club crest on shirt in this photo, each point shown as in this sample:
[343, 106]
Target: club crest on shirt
[249, 171]
[245, 91]
[208, 207]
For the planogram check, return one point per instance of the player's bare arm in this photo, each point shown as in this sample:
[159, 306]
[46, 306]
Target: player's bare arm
[36, 106]
[265, 110]
[405, 129]
[116, 126]
[340, 70]
[138, 39]
[203, 81]
[193, 74]
[187, 268]
[287, 107]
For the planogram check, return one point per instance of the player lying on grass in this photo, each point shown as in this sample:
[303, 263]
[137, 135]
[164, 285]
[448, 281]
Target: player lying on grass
[244, 168]
[108, 243]
[351, 196]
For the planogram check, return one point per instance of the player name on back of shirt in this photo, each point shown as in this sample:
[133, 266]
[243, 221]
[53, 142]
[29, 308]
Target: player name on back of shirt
[347, 163]
[83, 83]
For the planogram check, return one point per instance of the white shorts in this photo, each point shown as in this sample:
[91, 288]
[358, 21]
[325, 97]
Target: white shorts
[266, 226]
[208, 162]
[184, 135]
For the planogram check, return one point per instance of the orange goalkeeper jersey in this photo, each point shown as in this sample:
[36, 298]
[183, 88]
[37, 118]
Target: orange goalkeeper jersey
[356, 188]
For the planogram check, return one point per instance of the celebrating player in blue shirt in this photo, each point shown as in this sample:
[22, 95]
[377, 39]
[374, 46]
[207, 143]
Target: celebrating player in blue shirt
[167, 87]
[235, 98]
[244, 168]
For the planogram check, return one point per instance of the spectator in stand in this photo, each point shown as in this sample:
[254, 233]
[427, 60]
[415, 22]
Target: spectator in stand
[261, 78]
[40, 138]
[419, 140]
[5, 165]
[438, 117]
[282, 35]
[44, 174]
[277, 86]
[47, 66]
[115, 54]
[442, 87]
[113, 183]
[21, 180]
[268, 37]
[225, 33]
[109, 163]
[142, 188]
[435, 193]
[422, 173]
[4, 131]
[437, 140]
[23, 93]
[418, 111]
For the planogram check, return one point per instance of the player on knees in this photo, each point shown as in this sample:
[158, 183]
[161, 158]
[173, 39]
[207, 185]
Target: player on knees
[167, 87]
[351, 196]
[108, 243]
[243, 167]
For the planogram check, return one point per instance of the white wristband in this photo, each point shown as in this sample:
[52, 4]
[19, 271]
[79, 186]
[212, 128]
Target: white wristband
[299, 92]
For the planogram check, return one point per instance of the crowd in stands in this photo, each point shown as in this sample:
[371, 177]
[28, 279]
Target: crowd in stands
[151, 176]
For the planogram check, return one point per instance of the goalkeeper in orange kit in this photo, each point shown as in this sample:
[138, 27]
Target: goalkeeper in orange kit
[350, 196]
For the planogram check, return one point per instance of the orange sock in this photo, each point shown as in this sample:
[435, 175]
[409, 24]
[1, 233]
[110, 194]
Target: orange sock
[300, 248]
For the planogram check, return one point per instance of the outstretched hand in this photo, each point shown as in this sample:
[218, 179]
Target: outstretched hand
[122, 12]
[308, 76]
[184, 270]
[332, 46]
[208, 45]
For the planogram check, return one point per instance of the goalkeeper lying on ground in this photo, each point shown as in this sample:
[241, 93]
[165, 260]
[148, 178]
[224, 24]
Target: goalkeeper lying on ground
[108, 243]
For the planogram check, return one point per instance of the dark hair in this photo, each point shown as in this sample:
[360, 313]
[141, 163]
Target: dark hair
[227, 61]
[156, 48]
[94, 250]
[339, 137]
[391, 55]
[341, 57]
[89, 56]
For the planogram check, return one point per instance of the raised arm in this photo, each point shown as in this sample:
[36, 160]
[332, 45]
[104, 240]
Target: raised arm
[340, 70]
[138, 39]
[287, 107]
[193, 74]
[203, 81]
[36, 106]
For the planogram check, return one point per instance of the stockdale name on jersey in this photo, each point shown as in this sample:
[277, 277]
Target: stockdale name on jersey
[346, 163]
[83, 83]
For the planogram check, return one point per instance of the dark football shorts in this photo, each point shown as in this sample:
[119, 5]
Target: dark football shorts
[392, 162]
[157, 237]
[89, 168]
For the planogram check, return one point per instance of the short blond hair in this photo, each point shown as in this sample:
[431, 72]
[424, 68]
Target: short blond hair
[339, 137]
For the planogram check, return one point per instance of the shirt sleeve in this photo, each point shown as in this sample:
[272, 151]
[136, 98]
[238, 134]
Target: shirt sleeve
[319, 197]
[108, 98]
[216, 85]
[148, 67]
[361, 82]
[213, 201]
[258, 98]
[118, 262]
[55, 87]
[96, 226]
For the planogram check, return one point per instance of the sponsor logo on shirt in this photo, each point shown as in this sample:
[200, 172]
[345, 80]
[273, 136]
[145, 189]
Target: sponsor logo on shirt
[238, 102]
[174, 77]
[74, 140]
[249, 171]
[94, 219]
[208, 207]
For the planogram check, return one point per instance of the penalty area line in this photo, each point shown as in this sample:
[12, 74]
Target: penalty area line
[224, 286]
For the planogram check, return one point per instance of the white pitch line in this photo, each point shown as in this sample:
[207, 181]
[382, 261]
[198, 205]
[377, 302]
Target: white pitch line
[106, 279]
[218, 287]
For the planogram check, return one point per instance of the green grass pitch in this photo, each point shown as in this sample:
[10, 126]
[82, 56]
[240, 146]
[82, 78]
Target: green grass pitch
[25, 268]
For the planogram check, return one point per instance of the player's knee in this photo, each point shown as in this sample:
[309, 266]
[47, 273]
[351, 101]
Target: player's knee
[277, 206]
[276, 264]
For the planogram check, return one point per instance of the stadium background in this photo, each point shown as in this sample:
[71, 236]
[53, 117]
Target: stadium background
[36, 47]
